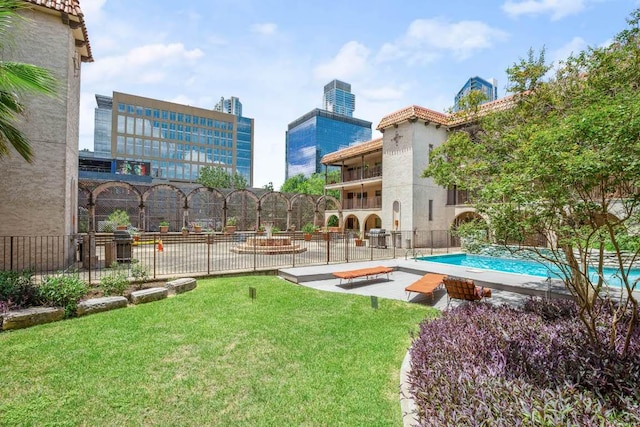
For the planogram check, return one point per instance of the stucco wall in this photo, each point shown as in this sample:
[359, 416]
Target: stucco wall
[41, 198]
[405, 154]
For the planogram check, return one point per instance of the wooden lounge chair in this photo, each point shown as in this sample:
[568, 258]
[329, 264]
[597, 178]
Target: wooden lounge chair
[362, 272]
[464, 289]
[426, 285]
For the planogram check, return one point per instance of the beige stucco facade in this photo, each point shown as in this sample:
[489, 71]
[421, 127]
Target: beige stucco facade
[408, 202]
[41, 198]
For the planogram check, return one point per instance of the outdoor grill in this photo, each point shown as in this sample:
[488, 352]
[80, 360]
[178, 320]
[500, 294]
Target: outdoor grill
[120, 248]
[378, 238]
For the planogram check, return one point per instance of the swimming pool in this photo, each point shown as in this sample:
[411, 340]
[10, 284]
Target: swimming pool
[518, 266]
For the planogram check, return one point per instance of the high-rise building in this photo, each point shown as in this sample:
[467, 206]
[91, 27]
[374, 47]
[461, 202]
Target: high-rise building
[229, 106]
[488, 87]
[317, 133]
[102, 126]
[338, 98]
[174, 140]
[323, 131]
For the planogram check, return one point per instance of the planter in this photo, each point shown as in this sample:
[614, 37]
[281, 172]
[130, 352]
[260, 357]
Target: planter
[121, 227]
[359, 242]
[307, 236]
[197, 228]
[185, 232]
[230, 229]
[164, 228]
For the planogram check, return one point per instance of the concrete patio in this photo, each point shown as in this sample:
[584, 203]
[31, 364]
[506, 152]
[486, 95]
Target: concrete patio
[506, 288]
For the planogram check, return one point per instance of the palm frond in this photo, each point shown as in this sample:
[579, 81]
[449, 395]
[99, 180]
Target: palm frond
[26, 78]
[10, 135]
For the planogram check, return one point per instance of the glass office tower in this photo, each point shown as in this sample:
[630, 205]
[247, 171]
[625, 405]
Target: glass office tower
[229, 106]
[317, 133]
[102, 127]
[179, 140]
[488, 87]
[338, 98]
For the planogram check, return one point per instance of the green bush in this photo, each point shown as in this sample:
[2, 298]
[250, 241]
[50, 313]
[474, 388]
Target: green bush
[138, 271]
[17, 289]
[308, 228]
[63, 291]
[119, 217]
[114, 283]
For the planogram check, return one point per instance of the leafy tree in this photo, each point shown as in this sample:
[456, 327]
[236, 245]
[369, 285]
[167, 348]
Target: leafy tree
[559, 163]
[16, 81]
[219, 177]
[310, 185]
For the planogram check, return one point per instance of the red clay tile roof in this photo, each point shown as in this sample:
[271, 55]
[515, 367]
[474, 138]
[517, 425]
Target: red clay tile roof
[427, 115]
[415, 112]
[411, 112]
[352, 151]
[70, 9]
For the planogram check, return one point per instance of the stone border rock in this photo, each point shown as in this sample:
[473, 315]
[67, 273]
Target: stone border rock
[148, 295]
[97, 305]
[179, 286]
[32, 316]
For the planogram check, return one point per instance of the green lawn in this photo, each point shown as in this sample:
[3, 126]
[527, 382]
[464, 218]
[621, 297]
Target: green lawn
[294, 356]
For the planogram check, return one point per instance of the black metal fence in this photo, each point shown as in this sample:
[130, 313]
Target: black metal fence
[165, 255]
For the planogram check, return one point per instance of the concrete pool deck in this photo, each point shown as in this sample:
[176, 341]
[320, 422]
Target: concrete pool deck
[508, 288]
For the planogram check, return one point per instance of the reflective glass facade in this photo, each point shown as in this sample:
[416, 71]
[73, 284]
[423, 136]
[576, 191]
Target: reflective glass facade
[179, 140]
[102, 127]
[318, 133]
[230, 106]
[338, 98]
[489, 88]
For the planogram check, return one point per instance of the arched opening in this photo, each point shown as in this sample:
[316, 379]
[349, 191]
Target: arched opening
[457, 228]
[395, 217]
[372, 221]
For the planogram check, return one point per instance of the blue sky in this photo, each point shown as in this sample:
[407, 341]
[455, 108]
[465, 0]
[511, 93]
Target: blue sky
[276, 56]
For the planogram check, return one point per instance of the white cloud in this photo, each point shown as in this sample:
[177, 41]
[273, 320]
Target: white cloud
[265, 29]
[428, 39]
[574, 47]
[350, 61]
[383, 93]
[558, 9]
[92, 8]
[141, 63]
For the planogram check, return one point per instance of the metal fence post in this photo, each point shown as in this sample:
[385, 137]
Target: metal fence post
[89, 249]
[155, 242]
[206, 242]
[328, 252]
[431, 232]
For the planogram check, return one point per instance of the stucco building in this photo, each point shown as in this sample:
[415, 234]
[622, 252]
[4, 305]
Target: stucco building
[381, 184]
[41, 198]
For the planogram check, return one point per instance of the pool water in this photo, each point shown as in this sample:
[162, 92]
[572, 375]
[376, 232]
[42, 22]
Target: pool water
[518, 266]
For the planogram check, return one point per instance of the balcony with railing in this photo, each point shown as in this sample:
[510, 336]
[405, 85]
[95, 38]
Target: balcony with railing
[458, 197]
[364, 203]
[359, 173]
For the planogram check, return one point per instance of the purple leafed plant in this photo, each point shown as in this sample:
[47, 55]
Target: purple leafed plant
[486, 365]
